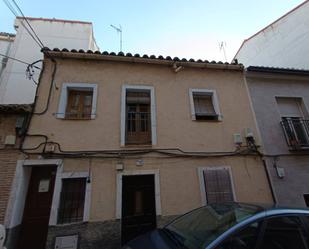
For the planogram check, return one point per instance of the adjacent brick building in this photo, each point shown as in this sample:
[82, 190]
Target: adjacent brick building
[12, 121]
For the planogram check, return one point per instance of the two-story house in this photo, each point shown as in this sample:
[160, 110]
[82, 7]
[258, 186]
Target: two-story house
[17, 92]
[120, 144]
[280, 99]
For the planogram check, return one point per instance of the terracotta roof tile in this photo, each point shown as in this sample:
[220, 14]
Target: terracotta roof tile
[145, 56]
[15, 108]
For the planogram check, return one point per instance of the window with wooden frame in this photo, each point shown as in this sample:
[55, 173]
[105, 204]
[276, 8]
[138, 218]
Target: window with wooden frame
[204, 105]
[138, 117]
[72, 200]
[79, 104]
[218, 185]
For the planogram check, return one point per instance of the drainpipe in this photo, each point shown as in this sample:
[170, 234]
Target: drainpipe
[270, 182]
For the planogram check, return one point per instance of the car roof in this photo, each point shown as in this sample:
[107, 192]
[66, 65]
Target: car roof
[266, 210]
[277, 208]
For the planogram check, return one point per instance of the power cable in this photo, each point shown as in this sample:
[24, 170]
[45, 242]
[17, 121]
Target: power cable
[28, 23]
[12, 58]
[10, 7]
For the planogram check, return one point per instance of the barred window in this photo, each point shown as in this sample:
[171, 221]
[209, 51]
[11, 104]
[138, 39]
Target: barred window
[72, 200]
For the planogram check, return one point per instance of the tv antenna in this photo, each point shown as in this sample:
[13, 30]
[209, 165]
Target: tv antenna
[222, 46]
[119, 31]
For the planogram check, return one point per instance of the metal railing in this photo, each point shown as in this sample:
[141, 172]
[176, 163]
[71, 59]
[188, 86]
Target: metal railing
[296, 131]
[138, 128]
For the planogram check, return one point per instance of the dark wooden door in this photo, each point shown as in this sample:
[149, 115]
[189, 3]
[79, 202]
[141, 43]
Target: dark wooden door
[34, 225]
[138, 206]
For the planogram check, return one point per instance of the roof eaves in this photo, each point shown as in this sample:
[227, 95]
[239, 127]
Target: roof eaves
[7, 34]
[52, 20]
[277, 70]
[16, 108]
[137, 58]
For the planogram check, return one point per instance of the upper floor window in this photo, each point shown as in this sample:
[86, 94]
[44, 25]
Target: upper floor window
[293, 121]
[204, 104]
[77, 101]
[138, 116]
[79, 104]
[138, 126]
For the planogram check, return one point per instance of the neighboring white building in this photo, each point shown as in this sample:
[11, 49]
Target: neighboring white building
[15, 88]
[283, 43]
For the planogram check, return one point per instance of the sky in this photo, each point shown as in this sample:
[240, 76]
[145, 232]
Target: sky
[182, 28]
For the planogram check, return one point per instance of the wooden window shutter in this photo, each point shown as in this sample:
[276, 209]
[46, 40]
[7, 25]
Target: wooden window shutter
[203, 104]
[138, 97]
[218, 185]
[79, 104]
[138, 117]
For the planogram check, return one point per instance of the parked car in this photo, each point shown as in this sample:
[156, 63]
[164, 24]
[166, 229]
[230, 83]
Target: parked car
[231, 226]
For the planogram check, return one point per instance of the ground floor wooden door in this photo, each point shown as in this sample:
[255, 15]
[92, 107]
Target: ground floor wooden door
[35, 220]
[138, 206]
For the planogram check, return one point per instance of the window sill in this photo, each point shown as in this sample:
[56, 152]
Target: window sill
[71, 223]
[137, 146]
[207, 118]
[62, 116]
[302, 148]
[65, 118]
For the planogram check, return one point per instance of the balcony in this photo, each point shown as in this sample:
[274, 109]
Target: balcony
[296, 131]
[138, 129]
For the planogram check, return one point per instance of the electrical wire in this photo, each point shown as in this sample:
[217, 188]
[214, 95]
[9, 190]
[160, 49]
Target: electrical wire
[12, 58]
[11, 8]
[20, 11]
[168, 152]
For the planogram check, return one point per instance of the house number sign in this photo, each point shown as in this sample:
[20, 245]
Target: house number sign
[44, 185]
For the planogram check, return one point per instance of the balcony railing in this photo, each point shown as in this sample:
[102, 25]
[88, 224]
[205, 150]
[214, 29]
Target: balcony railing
[296, 133]
[138, 128]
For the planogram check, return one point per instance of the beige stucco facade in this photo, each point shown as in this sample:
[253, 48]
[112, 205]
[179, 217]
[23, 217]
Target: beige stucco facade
[179, 183]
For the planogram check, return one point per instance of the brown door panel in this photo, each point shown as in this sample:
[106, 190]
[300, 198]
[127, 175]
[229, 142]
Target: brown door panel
[138, 206]
[35, 221]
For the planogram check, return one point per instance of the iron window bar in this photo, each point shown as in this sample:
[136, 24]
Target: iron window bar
[296, 131]
[72, 200]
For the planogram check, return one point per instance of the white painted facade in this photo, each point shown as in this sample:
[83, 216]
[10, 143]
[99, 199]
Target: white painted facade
[284, 43]
[15, 88]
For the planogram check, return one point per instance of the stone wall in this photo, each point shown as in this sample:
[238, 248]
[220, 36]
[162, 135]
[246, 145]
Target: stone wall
[95, 235]
[92, 235]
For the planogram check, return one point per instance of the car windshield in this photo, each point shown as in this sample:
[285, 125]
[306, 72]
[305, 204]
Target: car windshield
[199, 228]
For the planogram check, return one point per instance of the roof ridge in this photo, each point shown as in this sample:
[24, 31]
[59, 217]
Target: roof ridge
[52, 20]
